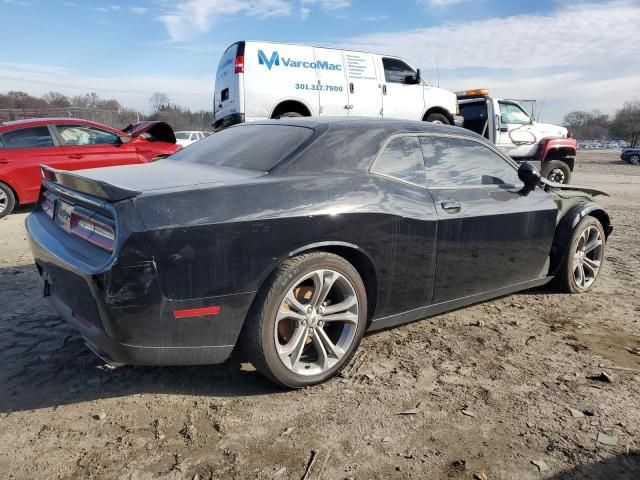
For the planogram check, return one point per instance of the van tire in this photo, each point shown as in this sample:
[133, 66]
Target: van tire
[7, 200]
[289, 115]
[556, 171]
[437, 118]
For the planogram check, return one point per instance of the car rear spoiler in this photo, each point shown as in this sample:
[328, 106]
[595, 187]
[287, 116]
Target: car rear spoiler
[86, 185]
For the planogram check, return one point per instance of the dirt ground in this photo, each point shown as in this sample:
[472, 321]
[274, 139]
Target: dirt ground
[482, 392]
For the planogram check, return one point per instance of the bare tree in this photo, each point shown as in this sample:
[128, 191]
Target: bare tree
[588, 125]
[56, 99]
[626, 123]
[159, 101]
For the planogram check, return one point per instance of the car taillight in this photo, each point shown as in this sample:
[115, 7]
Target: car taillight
[569, 135]
[92, 230]
[240, 64]
[48, 204]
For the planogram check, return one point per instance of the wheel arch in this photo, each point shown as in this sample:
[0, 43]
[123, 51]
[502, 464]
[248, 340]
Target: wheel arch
[291, 106]
[440, 110]
[353, 254]
[567, 225]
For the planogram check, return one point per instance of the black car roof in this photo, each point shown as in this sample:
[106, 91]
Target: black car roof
[351, 143]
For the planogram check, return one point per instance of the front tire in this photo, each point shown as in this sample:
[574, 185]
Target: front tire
[584, 258]
[634, 159]
[556, 171]
[7, 200]
[307, 320]
[437, 118]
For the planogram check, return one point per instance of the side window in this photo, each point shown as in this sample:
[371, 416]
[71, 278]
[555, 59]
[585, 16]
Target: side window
[401, 159]
[460, 162]
[396, 71]
[33, 137]
[513, 115]
[78, 135]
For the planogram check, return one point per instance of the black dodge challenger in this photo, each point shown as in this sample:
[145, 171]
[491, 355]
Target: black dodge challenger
[293, 237]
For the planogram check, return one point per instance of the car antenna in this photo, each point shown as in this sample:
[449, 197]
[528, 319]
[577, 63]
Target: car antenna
[541, 106]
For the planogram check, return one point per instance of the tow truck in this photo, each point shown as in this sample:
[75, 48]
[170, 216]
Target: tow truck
[510, 127]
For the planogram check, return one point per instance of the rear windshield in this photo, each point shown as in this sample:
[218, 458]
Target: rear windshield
[251, 147]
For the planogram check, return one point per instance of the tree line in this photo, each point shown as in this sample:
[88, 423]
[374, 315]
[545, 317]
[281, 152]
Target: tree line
[17, 105]
[596, 125]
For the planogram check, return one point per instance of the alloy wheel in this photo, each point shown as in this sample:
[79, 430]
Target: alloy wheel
[4, 201]
[316, 322]
[588, 257]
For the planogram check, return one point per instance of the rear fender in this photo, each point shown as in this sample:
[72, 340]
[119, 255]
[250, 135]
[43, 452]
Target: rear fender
[568, 224]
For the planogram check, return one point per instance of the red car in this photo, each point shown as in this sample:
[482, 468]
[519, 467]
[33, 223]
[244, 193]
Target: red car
[70, 144]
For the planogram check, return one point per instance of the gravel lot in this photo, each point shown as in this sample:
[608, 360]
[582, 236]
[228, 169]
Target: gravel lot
[482, 392]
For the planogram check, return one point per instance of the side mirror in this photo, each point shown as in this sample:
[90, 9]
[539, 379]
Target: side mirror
[414, 79]
[529, 175]
[124, 139]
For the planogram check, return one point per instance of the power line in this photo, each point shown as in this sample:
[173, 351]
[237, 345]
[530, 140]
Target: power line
[97, 89]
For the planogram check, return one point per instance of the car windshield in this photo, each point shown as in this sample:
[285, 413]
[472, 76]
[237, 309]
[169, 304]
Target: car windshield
[183, 135]
[251, 147]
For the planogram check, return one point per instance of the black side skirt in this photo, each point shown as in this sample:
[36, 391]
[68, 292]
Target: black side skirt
[431, 310]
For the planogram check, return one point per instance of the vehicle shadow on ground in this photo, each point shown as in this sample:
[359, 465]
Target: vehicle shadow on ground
[45, 363]
[620, 467]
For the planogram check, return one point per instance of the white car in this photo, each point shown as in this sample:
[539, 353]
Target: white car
[262, 80]
[188, 137]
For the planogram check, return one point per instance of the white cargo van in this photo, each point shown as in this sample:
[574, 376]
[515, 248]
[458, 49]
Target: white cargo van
[263, 80]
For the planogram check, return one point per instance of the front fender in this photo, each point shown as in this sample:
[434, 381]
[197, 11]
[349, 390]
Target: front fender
[568, 224]
[549, 145]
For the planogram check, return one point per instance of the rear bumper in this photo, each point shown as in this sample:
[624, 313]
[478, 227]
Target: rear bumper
[228, 121]
[121, 313]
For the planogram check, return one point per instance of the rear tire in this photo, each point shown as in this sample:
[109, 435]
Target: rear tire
[7, 200]
[289, 115]
[584, 258]
[297, 338]
[556, 171]
[437, 118]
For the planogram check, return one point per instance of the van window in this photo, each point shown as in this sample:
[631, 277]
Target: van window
[401, 159]
[459, 162]
[251, 147]
[396, 71]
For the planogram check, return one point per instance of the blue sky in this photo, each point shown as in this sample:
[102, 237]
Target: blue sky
[577, 55]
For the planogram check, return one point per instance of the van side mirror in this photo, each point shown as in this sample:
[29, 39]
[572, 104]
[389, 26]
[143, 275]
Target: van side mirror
[529, 175]
[414, 79]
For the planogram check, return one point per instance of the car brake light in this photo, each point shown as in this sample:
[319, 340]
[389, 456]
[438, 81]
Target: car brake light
[569, 135]
[92, 230]
[240, 64]
[47, 203]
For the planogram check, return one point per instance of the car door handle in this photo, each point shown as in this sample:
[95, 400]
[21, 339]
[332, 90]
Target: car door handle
[451, 206]
[504, 129]
[351, 87]
[76, 156]
[384, 89]
[4, 160]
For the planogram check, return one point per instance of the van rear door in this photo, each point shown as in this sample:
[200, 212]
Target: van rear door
[228, 97]
[365, 93]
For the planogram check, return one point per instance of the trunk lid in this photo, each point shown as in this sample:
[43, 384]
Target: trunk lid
[128, 181]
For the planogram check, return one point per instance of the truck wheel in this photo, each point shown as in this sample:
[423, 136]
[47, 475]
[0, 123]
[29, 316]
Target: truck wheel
[307, 320]
[556, 171]
[437, 118]
[634, 160]
[289, 115]
[7, 200]
[584, 258]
